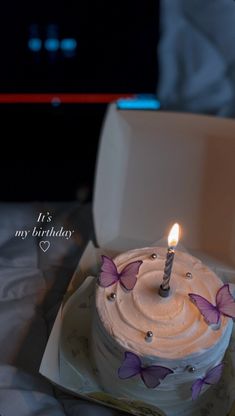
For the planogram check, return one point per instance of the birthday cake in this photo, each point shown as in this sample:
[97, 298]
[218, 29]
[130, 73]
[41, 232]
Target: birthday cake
[165, 351]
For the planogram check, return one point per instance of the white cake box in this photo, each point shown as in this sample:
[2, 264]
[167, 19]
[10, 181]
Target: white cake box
[154, 169]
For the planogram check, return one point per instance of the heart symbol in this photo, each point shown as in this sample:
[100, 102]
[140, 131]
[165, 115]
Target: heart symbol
[44, 245]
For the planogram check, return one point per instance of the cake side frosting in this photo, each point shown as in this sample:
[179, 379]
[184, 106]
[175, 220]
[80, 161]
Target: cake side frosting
[182, 340]
[173, 395]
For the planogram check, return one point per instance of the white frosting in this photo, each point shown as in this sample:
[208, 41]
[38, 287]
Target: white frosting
[181, 337]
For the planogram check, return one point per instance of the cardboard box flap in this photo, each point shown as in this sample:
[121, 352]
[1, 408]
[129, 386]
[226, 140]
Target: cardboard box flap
[155, 168]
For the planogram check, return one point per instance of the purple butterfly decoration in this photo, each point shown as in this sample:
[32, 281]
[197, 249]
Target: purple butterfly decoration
[225, 305]
[109, 274]
[211, 377]
[151, 375]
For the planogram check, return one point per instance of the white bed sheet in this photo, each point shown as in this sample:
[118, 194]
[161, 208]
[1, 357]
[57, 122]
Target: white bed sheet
[196, 56]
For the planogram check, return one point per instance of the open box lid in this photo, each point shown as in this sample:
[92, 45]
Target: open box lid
[156, 168]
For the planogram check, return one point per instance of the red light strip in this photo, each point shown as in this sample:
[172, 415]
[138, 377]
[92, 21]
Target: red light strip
[60, 98]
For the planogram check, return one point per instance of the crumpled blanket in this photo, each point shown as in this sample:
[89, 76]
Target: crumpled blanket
[32, 285]
[197, 57]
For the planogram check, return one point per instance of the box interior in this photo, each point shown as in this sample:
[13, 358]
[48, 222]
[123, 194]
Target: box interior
[157, 168]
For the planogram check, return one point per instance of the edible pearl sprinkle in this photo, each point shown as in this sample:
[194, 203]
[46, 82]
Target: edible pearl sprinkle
[189, 275]
[190, 368]
[148, 336]
[112, 296]
[153, 256]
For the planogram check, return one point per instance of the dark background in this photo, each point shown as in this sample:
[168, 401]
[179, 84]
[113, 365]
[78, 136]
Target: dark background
[116, 53]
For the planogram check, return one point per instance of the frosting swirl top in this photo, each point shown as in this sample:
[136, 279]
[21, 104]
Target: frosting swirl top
[178, 327]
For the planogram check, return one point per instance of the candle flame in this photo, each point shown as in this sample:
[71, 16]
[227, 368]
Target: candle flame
[173, 236]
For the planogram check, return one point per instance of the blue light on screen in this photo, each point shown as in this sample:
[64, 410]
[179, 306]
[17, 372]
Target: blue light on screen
[68, 44]
[139, 102]
[52, 44]
[35, 44]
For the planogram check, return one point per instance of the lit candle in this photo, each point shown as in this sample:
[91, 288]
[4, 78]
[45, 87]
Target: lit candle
[173, 238]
